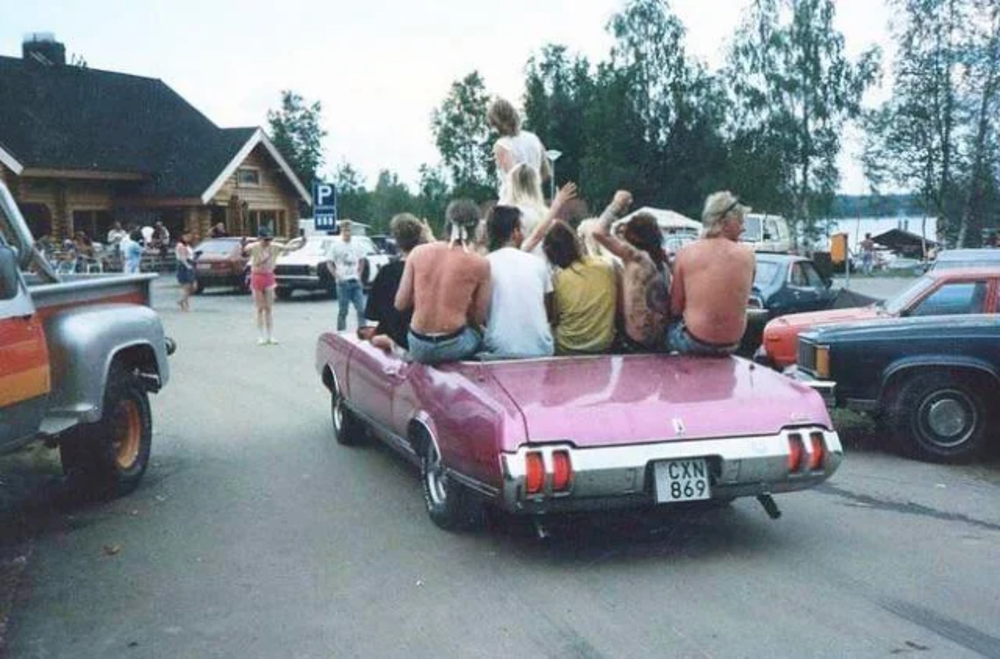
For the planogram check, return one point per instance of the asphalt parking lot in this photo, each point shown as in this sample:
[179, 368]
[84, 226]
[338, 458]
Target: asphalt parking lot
[255, 535]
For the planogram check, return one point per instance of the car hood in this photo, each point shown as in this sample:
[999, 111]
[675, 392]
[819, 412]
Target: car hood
[300, 258]
[615, 400]
[813, 318]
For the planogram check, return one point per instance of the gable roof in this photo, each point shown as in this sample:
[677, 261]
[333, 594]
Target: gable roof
[72, 118]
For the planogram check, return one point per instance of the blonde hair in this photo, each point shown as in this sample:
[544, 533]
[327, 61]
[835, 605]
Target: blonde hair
[502, 116]
[524, 189]
[719, 207]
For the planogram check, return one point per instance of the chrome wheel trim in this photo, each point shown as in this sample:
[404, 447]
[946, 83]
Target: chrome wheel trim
[437, 480]
[338, 413]
[950, 417]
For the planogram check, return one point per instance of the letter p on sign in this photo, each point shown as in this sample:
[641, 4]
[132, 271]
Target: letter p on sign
[324, 195]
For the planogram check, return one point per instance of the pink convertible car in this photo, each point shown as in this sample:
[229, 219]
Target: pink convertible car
[567, 434]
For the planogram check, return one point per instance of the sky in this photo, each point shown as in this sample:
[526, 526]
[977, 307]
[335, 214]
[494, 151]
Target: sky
[379, 67]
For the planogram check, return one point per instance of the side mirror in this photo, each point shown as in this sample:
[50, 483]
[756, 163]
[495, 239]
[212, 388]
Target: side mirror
[10, 280]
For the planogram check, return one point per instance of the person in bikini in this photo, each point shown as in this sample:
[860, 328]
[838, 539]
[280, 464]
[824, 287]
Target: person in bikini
[263, 254]
[712, 280]
[645, 275]
[447, 285]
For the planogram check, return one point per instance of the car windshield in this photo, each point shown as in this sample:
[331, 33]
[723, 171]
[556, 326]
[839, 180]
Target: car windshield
[751, 229]
[216, 247]
[903, 300]
[765, 273]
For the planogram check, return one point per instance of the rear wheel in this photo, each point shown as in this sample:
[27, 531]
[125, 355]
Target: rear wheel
[942, 416]
[347, 429]
[451, 505]
[111, 455]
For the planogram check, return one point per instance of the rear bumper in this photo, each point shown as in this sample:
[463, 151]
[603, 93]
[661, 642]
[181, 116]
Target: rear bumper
[617, 477]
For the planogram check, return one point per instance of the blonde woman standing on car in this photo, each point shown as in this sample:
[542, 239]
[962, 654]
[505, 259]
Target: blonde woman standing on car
[264, 253]
[515, 146]
[524, 191]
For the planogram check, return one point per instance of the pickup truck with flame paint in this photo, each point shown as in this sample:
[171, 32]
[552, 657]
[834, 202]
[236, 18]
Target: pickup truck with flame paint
[78, 357]
[581, 433]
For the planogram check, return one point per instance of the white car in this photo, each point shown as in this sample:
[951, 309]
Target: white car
[307, 269]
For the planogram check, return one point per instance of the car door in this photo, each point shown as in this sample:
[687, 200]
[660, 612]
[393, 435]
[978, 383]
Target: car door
[824, 295]
[804, 294]
[24, 359]
[954, 298]
[373, 375]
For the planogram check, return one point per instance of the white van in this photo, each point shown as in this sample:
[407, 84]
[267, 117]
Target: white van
[767, 233]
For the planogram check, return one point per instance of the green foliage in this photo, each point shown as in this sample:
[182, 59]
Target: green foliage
[463, 137]
[298, 135]
[792, 91]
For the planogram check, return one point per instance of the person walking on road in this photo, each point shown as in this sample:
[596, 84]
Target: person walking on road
[185, 270]
[345, 266]
[263, 254]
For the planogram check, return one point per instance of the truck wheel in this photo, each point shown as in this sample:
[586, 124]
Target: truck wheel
[941, 416]
[112, 454]
[347, 429]
[450, 504]
[283, 293]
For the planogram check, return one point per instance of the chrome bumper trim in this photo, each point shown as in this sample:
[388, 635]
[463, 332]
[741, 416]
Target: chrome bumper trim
[610, 477]
[826, 388]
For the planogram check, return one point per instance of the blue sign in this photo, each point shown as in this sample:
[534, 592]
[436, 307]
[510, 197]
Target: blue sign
[324, 206]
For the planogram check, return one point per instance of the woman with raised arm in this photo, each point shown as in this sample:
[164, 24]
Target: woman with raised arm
[645, 276]
[264, 253]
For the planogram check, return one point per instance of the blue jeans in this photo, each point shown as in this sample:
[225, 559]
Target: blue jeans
[681, 341]
[434, 350]
[349, 292]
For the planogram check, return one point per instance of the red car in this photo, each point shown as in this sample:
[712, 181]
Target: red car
[220, 262]
[938, 293]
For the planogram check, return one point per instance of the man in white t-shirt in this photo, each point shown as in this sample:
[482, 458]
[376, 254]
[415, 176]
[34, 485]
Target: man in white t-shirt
[517, 324]
[345, 265]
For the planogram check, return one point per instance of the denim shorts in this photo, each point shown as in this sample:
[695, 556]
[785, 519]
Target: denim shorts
[681, 341]
[433, 350]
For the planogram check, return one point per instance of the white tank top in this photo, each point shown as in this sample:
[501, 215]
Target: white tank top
[525, 147]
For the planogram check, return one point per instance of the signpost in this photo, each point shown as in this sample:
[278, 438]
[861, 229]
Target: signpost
[324, 206]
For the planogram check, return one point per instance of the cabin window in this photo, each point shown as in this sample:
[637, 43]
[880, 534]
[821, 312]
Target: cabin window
[248, 177]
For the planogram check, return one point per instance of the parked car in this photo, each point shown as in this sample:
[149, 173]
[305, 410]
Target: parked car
[966, 258]
[938, 293]
[79, 356]
[563, 434]
[783, 284]
[220, 262]
[307, 268]
[932, 382]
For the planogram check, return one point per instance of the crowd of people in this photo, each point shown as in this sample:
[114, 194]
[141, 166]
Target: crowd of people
[522, 283]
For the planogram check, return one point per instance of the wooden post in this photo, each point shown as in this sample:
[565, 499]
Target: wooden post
[62, 214]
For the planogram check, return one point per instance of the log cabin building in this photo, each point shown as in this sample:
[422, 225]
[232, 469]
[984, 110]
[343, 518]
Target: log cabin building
[81, 148]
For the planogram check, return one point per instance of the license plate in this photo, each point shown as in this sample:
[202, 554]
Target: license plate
[682, 480]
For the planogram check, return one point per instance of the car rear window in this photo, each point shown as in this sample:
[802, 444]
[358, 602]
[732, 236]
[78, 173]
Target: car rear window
[765, 273]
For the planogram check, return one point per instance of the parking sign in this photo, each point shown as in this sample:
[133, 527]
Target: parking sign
[324, 206]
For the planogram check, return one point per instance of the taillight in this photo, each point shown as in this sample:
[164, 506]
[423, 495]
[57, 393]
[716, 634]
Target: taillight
[562, 471]
[818, 451]
[795, 451]
[534, 472]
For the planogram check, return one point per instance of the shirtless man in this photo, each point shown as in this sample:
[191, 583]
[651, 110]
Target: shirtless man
[645, 279]
[712, 280]
[447, 284]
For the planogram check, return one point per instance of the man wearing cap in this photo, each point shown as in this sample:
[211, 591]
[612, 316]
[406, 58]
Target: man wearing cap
[447, 284]
[711, 284]
[345, 265]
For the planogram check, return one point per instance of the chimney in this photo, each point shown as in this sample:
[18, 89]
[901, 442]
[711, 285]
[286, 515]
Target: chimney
[42, 48]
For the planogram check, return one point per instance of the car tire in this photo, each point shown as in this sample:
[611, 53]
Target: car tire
[347, 428]
[111, 455]
[450, 505]
[283, 293]
[941, 416]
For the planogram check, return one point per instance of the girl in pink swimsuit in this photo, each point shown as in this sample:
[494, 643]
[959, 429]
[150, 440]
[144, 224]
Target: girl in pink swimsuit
[263, 254]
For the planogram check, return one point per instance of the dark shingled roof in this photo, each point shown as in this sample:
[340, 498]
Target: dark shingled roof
[67, 117]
